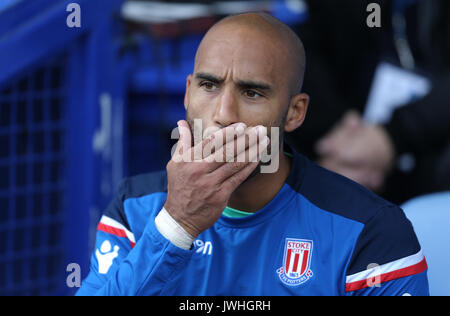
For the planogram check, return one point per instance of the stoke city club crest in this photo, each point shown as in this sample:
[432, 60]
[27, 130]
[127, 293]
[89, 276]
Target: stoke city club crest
[296, 262]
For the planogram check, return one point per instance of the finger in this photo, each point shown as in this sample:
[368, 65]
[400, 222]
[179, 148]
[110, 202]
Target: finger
[220, 138]
[251, 152]
[185, 135]
[213, 140]
[253, 155]
[234, 149]
[236, 179]
[184, 142]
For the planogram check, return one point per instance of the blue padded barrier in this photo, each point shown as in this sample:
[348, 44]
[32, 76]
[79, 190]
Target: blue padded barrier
[32, 180]
[156, 99]
[61, 139]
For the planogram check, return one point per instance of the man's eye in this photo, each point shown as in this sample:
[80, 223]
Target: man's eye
[208, 85]
[251, 94]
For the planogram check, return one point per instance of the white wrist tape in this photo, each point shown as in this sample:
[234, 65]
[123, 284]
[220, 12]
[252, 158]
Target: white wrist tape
[171, 230]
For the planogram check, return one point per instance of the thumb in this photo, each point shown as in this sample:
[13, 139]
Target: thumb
[185, 140]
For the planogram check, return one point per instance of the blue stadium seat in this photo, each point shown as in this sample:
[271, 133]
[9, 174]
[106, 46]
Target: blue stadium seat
[430, 216]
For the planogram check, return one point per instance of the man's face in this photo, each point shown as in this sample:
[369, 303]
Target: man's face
[240, 75]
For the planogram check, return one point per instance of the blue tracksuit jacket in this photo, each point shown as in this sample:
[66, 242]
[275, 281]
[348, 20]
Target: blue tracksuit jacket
[321, 235]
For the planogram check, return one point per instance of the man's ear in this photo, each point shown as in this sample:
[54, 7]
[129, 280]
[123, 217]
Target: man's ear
[297, 112]
[186, 93]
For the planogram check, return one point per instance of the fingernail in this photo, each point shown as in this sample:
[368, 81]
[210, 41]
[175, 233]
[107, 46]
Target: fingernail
[259, 130]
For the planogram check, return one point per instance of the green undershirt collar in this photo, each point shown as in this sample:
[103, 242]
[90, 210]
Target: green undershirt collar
[233, 213]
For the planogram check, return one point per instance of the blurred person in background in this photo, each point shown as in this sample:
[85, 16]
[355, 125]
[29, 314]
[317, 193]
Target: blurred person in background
[405, 151]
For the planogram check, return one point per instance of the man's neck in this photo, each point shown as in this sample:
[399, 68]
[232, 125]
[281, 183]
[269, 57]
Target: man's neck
[258, 191]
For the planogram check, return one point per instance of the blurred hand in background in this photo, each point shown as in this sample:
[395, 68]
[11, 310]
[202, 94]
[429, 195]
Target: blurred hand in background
[357, 150]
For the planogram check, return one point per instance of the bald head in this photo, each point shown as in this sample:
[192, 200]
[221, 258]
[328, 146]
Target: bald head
[248, 68]
[272, 33]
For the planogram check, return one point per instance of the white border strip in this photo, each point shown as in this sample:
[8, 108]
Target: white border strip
[386, 268]
[108, 221]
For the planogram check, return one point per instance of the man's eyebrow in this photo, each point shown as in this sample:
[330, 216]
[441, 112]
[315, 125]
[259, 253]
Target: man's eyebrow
[209, 77]
[243, 84]
[250, 84]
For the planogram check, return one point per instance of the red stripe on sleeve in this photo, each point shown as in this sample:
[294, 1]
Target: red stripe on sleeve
[114, 231]
[389, 276]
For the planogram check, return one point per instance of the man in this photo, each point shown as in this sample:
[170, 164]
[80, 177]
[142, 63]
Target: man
[215, 224]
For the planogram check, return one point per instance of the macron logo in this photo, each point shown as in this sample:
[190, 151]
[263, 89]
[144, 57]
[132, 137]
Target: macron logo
[105, 256]
[204, 248]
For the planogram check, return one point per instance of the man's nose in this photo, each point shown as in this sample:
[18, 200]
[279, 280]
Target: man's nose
[227, 109]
